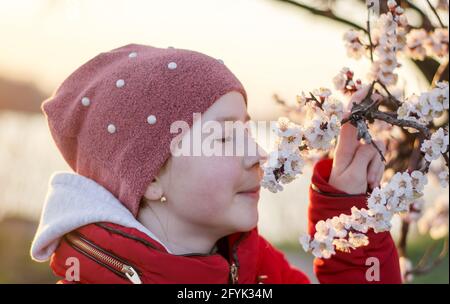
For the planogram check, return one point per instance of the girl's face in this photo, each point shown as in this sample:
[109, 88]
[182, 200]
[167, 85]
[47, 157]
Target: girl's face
[210, 191]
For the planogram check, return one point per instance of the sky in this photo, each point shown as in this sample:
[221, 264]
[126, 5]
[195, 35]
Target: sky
[272, 47]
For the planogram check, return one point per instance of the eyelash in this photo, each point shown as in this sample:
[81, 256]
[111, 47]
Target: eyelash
[228, 138]
[224, 139]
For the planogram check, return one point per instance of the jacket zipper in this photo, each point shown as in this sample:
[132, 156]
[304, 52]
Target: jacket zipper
[234, 266]
[103, 258]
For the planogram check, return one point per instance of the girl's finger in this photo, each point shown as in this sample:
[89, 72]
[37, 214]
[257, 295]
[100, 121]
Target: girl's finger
[346, 147]
[348, 141]
[378, 175]
[376, 164]
[363, 156]
[374, 168]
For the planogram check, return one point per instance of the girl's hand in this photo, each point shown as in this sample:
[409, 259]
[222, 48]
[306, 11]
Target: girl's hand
[356, 165]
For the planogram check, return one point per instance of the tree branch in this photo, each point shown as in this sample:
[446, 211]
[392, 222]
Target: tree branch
[393, 120]
[422, 268]
[324, 13]
[438, 75]
[436, 14]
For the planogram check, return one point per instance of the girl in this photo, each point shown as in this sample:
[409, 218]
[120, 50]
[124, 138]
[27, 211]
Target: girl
[135, 211]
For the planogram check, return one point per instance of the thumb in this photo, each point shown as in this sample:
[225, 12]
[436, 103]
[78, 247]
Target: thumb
[348, 137]
[358, 96]
[346, 146]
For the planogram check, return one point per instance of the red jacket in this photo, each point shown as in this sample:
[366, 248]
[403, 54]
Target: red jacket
[106, 252]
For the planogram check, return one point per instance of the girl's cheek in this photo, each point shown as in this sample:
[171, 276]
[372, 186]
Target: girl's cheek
[207, 185]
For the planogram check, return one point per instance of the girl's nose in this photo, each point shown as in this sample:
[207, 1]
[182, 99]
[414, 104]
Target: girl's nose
[257, 158]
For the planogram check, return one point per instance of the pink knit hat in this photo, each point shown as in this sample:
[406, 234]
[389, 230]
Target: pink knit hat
[111, 117]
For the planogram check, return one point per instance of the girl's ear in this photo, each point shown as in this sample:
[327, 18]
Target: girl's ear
[154, 190]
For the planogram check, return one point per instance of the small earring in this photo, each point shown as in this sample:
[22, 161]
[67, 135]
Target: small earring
[163, 199]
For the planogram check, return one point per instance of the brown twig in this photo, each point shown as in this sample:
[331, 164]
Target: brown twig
[325, 13]
[437, 76]
[446, 157]
[436, 14]
[392, 98]
[318, 103]
[369, 32]
[393, 120]
[422, 266]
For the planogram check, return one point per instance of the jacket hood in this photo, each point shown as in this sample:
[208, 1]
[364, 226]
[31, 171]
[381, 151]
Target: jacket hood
[73, 201]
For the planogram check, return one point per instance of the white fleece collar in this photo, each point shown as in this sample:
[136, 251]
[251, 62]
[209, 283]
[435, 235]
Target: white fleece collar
[73, 201]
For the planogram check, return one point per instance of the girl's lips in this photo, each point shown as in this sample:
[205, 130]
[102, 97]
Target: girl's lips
[253, 193]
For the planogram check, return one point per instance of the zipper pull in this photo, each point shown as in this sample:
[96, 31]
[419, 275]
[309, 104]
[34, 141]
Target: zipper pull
[131, 274]
[234, 273]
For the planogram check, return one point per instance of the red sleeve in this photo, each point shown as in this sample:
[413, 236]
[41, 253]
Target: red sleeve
[275, 268]
[325, 201]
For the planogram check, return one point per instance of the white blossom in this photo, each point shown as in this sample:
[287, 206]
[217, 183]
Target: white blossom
[377, 198]
[415, 41]
[402, 183]
[270, 182]
[324, 231]
[353, 44]
[343, 245]
[293, 164]
[340, 80]
[418, 180]
[443, 178]
[322, 93]
[358, 239]
[431, 149]
[440, 139]
[317, 135]
[392, 4]
[437, 44]
[441, 93]
[381, 218]
[323, 249]
[360, 219]
[333, 106]
[340, 225]
[302, 100]
[305, 241]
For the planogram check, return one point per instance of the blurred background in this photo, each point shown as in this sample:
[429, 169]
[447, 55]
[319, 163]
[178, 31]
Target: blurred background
[272, 46]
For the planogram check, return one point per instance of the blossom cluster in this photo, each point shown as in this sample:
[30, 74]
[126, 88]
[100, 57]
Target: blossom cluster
[398, 196]
[294, 142]
[403, 193]
[346, 232]
[388, 38]
[421, 44]
[424, 108]
[436, 145]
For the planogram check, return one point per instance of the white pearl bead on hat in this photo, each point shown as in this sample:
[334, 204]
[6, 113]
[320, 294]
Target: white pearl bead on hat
[112, 128]
[172, 65]
[120, 83]
[151, 119]
[220, 60]
[132, 55]
[85, 101]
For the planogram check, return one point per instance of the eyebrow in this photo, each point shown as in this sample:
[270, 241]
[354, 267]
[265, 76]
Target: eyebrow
[231, 118]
